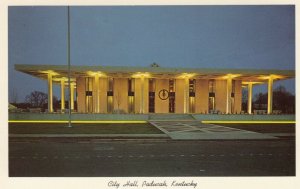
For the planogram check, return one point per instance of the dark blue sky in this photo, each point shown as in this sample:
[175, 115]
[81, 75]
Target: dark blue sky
[260, 37]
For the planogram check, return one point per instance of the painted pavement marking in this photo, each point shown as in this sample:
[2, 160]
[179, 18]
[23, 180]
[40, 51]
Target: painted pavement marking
[185, 130]
[152, 155]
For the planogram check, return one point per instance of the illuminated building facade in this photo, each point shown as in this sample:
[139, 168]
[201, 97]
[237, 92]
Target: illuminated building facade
[142, 90]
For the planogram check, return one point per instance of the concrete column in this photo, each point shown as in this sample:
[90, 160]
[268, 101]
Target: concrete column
[270, 95]
[96, 95]
[72, 96]
[228, 99]
[186, 95]
[142, 95]
[62, 95]
[249, 98]
[50, 93]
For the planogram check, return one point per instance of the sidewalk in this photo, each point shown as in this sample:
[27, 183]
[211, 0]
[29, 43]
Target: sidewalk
[194, 130]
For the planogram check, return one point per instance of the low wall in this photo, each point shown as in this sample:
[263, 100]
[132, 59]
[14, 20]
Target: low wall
[75, 116]
[235, 117]
[145, 117]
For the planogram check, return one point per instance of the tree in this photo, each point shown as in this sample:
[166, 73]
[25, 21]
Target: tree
[37, 99]
[14, 96]
[260, 99]
[244, 99]
[282, 100]
[154, 64]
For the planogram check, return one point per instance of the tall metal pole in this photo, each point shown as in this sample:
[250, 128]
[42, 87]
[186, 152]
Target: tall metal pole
[69, 68]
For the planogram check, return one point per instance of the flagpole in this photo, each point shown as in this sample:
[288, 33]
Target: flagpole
[69, 70]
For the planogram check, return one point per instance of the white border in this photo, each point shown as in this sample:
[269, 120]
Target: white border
[101, 182]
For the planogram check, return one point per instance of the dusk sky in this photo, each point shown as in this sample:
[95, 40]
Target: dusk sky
[240, 37]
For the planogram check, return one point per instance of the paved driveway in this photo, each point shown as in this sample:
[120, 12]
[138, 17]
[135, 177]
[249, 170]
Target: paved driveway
[191, 130]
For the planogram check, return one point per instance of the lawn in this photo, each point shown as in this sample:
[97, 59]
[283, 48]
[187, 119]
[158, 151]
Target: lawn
[263, 128]
[101, 128]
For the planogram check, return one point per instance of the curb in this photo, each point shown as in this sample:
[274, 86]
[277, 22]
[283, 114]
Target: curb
[88, 135]
[84, 139]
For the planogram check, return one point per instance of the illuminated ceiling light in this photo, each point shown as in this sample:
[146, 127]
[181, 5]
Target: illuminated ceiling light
[230, 76]
[251, 82]
[186, 75]
[51, 72]
[62, 79]
[98, 73]
[140, 75]
[72, 82]
[272, 76]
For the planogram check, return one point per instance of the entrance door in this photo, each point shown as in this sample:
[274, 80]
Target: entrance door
[171, 96]
[151, 102]
[151, 96]
[171, 102]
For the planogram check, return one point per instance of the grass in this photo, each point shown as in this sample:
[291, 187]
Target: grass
[263, 128]
[101, 128]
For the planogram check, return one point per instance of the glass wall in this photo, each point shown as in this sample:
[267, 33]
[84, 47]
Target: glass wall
[131, 95]
[171, 96]
[89, 94]
[232, 96]
[110, 95]
[192, 83]
[151, 96]
[211, 98]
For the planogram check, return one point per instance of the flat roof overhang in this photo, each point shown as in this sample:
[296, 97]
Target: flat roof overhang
[61, 71]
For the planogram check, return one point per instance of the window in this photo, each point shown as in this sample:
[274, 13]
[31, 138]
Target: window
[192, 85]
[110, 84]
[211, 98]
[171, 85]
[89, 94]
[130, 85]
[171, 96]
[211, 86]
[211, 104]
[110, 95]
[192, 95]
[131, 95]
[232, 96]
[233, 86]
[151, 85]
[191, 104]
[151, 95]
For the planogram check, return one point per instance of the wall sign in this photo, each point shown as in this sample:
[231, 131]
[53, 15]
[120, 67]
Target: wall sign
[163, 94]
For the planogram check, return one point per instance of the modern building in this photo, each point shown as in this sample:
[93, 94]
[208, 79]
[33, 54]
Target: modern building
[140, 90]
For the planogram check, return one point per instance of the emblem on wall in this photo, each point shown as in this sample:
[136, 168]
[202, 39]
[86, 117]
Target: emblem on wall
[163, 94]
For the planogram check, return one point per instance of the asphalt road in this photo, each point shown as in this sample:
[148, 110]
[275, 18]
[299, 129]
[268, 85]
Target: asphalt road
[152, 158]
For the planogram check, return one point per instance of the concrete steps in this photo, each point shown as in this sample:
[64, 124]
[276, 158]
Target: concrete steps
[171, 117]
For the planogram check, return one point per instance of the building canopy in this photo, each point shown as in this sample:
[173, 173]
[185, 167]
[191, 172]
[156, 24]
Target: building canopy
[61, 71]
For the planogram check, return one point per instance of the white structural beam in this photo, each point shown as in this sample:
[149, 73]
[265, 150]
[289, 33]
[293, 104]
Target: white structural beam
[186, 96]
[50, 93]
[270, 95]
[228, 99]
[142, 94]
[62, 94]
[97, 94]
[250, 85]
[72, 96]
